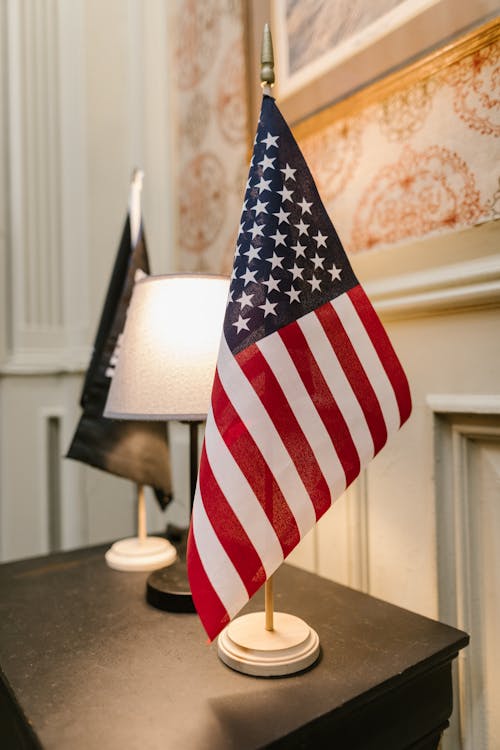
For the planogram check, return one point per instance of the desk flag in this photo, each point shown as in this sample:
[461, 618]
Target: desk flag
[306, 391]
[136, 450]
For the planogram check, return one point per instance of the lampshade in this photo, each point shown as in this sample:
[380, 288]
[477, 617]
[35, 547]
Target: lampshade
[168, 350]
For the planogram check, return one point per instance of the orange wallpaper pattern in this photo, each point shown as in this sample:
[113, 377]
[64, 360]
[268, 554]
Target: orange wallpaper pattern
[423, 161]
[213, 131]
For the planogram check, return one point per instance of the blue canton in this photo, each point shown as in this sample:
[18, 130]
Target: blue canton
[289, 259]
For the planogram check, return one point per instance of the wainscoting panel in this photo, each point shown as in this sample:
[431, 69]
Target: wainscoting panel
[467, 454]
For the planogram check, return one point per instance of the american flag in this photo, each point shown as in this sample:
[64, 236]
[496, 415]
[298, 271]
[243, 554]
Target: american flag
[306, 391]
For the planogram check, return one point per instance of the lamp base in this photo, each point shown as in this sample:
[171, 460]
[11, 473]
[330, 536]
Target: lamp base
[168, 589]
[134, 554]
[246, 646]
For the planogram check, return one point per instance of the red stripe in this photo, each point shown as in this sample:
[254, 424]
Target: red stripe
[353, 369]
[383, 347]
[210, 609]
[268, 389]
[229, 530]
[254, 467]
[323, 399]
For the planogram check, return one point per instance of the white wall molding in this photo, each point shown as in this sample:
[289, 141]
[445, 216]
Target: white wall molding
[358, 549]
[467, 459]
[46, 164]
[458, 403]
[44, 362]
[449, 288]
[153, 137]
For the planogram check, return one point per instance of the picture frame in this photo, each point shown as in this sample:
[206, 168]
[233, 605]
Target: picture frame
[308, 80]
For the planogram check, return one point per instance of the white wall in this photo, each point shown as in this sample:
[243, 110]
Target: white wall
[421, 527]
[85, 92]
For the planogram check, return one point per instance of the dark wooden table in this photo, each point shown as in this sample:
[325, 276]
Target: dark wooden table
[87, 664]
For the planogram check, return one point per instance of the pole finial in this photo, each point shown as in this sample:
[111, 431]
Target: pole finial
[137, 177]
[267, 58]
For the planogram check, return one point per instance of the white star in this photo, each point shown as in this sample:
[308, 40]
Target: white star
[335, 272]
[275, 260]
[230, 296]
[259, 208]
[241, 323]
[263, 184]
[240, 229]
[296, 271]
[270, 140]
[245, 204]
[253, 252]
[299, 249]
[288, 172]
[268, 308]
[305, 206]
[248, 276]
[315, 284]
[282, 216]
[302, 227]
[267, 162]
[278, 238]
[244, 300]
[294, 295]
[286, 194]
[272, 284]
[320, 239]
[256, 230]
[317, 260]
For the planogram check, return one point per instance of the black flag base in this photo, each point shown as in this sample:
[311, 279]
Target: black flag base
[168, 588]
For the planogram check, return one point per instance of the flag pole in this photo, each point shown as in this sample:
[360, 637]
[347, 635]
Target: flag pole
[286, 644]
[267, 82]
[267, 61]
[134, 210]
[134, 205]
[141, 513]
[269, 604]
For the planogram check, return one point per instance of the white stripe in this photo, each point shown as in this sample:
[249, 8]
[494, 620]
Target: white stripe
[280, 362]
[267, 438]
[242, 499]
[220, 570]
[369, 359]
[339, 386]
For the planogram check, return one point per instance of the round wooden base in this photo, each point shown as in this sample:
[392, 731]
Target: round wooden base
[246, 646]
[150, 553]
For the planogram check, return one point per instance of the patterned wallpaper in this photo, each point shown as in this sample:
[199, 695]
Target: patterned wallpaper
[424, 160]
[213, 131]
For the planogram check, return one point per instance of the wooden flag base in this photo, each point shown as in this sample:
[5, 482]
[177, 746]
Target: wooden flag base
[134, 553]
[246, 646]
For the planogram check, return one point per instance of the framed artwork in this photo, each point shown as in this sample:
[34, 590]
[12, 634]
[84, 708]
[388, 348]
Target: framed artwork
[325, 50]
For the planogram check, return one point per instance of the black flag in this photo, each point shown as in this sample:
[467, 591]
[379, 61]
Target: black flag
[137, 450]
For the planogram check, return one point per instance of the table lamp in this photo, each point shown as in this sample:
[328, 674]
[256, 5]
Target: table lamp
[165, 371]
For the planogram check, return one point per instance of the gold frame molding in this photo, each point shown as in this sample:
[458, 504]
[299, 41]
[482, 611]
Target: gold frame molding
[420, 71]
[341, 91]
